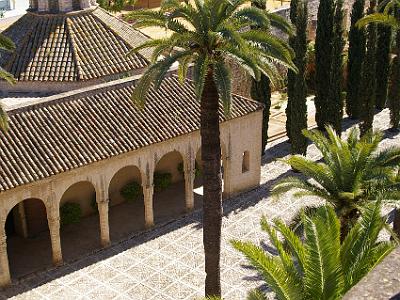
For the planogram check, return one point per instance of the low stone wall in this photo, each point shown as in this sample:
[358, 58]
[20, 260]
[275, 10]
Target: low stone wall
[383, 282]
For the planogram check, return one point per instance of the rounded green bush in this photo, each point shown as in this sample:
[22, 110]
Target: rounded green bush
[70, 213]
[162, 181]
[131, 191]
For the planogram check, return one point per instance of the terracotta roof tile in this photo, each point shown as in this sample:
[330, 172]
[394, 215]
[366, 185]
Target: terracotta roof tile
[72, 47]
[62, 133]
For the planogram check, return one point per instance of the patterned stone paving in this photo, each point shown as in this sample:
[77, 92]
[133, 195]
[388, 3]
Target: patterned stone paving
[167, 263]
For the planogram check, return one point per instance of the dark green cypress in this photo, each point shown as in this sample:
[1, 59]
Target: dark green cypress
[382, 64]
[323, 60]
[335, 98]
[394, 93]
[356, 55]
[261, 92]
[296, 111]
[368, 79]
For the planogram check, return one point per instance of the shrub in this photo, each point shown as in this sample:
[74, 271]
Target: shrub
[197, 169]
[162, 181]
[131, 191]
[70, 213]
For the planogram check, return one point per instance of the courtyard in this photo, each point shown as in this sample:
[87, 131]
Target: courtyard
[167, 262]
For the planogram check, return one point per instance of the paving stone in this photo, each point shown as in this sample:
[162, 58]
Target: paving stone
[168, 263]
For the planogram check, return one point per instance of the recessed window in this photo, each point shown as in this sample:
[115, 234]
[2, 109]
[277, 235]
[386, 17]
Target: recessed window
[246, 162]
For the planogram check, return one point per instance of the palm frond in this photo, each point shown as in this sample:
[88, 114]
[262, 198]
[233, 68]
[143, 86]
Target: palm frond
[256, 294]
[379, 18]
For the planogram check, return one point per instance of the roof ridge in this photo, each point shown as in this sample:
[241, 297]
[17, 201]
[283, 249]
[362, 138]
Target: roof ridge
[86, 91]
[71, 38]
[145, 53]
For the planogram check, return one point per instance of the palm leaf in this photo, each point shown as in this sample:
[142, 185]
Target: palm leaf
[223, 81]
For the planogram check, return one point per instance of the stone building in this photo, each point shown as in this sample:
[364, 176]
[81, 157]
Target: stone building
[82, 145]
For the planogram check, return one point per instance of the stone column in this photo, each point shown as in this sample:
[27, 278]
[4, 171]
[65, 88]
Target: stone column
[189, 174]
[102, 205]
[5, 277]
[53, 219]
[148, 193]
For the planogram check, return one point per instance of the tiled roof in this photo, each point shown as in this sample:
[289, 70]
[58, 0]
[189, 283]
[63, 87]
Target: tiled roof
[69, 47]
[58, 134]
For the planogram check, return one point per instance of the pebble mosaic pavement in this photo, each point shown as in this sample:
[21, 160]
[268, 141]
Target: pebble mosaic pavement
[167, 262]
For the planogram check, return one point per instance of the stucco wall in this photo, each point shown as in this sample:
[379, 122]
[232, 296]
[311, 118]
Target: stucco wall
[238, 135]
[81, 193]
[122, 177]
[169, 164]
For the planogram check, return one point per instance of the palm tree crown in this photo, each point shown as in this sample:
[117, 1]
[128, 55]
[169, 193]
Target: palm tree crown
[8, 45]
[207, 33]
[320, 266]
[352, 172]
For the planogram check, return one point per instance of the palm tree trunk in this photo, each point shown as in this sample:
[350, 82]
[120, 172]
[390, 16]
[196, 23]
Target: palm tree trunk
[212, 198]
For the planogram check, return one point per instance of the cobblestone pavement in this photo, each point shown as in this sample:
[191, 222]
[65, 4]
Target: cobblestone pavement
[167, 263]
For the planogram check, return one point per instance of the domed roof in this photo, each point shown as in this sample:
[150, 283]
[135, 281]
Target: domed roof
[78, 46]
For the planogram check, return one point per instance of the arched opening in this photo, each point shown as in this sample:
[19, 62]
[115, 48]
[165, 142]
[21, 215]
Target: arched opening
[169, 187]
[198, 182]
[28, 238]
[126, 212]
[79, 219]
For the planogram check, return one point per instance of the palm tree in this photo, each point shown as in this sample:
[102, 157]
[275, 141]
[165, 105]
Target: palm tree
[352, 172]
[319, 266]
[204, 34]
[8, 45]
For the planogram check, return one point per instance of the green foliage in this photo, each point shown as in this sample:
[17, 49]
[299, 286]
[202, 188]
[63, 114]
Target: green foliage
[394, 93]
[70, 213]
[8, 45]
[212, 32]
[162, 181]
[319, 266]
[296, 110]
[352, 173]
[261, 91]
[382, 64]
[335, 92]
[197, 171]
[355, 58]
[328, 43]
[115, 5]
[131, 191]
[367, 90]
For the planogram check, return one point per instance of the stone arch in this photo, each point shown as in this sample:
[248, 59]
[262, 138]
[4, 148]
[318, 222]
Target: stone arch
[27, 234]
[126, 212]
[169, 201]
[82, 237]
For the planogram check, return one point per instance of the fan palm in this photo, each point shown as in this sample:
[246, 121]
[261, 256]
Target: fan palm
[319, 266]
[353, 171]
[8, 45]
[204, 34]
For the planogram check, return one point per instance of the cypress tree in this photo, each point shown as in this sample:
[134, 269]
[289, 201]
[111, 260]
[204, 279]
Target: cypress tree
[261, 91]
[368, 79]
[394, 93]
[296, 111]
[323, 59]
[335, 98]
[394, 89]
[356, 55]
[382, 64]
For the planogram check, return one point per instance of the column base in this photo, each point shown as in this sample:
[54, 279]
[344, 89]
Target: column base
[149, 225]
[105, 244]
